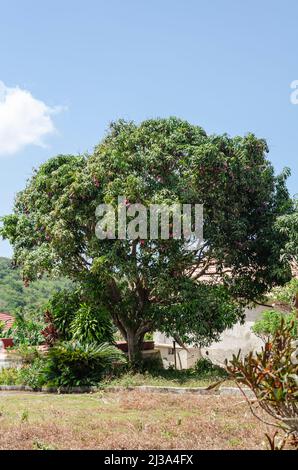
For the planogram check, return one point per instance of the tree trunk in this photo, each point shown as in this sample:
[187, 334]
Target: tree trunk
[134, 344]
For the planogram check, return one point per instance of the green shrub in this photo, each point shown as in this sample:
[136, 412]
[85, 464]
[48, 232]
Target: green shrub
[33, 374]
[205, 367]
[149, 337]
[285, 294]
[25, 331]
[63, 306]
[151, 363]
[76, 319]
[67, 364]
[77, 364]
[9, 376]
[270, 322]
[4, 332]
[91, 324]
[26, 353]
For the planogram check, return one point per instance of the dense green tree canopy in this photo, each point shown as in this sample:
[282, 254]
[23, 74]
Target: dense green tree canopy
[288, 226]
[158, 284]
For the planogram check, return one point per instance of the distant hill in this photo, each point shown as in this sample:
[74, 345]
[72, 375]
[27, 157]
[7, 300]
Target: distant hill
[13, 294]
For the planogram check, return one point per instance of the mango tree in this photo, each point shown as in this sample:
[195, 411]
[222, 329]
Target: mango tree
[158, 284]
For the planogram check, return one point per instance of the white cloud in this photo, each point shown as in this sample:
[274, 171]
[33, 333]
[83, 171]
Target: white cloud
[24, 120]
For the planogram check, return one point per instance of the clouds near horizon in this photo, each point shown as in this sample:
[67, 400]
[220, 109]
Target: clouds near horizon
[24, 120]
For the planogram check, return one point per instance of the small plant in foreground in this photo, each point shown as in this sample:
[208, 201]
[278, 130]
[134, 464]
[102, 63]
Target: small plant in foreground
[272, 375]
[25, 416]
[41, 446]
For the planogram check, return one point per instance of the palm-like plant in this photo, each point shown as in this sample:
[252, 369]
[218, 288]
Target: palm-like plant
[76, 363]
[91, 325]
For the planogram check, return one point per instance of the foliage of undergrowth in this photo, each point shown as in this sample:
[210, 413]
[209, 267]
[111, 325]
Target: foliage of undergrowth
[272, 375]
[268, 325]
[205, 367]
[285, 294]
[77, 316]
[204, 373]
[2, 328]
[33, 374]
[67, 364]
[77, 364]
[26, 354]
[9, 376]
[26, 329]
[38, 374]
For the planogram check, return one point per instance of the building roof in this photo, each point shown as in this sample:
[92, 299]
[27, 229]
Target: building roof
[7, 319]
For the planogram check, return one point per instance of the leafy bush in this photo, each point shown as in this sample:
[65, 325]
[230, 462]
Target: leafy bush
[149, 337]
[205, 367]
[285, 294]
[91, 324]
[25, 331]
[33, 374]
[78, 364]
[272, 375]
[62, 307]
[270, 323]
[67, 364]
[50, 332]
[9, 376]
[75, 318]
[26, 353]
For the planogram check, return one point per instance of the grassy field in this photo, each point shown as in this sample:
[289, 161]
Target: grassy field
[126, 420]
[167, 378]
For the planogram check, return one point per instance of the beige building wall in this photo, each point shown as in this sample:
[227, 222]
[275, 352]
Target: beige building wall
[238, 337]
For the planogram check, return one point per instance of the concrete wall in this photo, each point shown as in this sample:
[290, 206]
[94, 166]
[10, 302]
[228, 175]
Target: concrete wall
[238, 337]
[184, 359]
[3, 357]
[7, 360]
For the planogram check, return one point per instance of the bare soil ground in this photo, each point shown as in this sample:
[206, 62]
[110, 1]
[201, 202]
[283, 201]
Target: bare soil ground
[127, 420]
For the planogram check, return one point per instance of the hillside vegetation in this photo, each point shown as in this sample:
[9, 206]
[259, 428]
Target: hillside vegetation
[14, 294]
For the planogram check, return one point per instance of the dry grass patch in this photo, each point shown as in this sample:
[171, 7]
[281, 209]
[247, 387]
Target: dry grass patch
[126, 420]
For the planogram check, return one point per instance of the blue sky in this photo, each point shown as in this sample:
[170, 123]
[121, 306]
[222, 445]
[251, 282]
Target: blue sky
[75, 66]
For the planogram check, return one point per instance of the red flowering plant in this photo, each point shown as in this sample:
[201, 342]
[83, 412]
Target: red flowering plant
[272, 376]
[50, 332]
